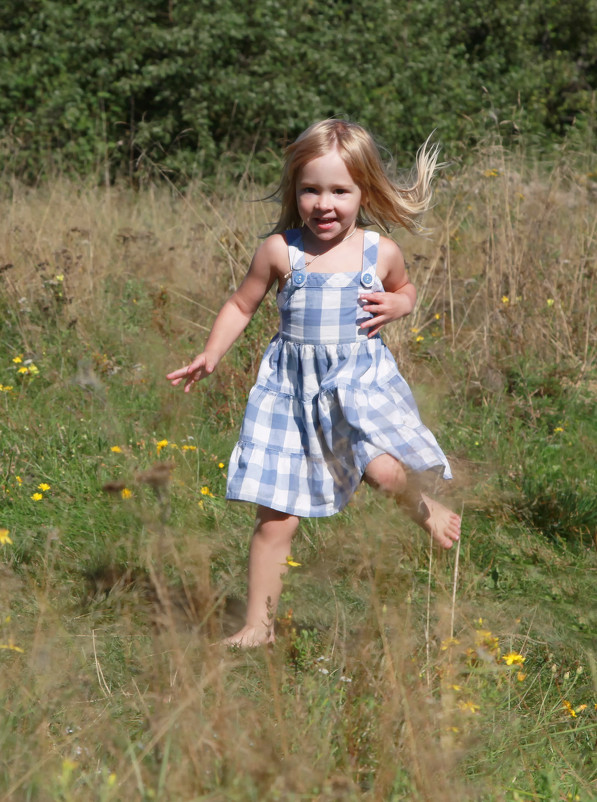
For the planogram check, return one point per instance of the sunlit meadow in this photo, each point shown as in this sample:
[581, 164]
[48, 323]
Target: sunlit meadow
[399, 673]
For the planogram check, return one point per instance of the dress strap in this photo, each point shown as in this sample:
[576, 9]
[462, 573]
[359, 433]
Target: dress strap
[296, 255]
[370, 248]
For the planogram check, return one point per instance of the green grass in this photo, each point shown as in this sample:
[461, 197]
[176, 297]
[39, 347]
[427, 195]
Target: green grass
[389, 679]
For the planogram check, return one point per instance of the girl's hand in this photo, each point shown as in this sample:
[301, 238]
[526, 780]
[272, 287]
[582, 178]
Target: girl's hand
[386, 307]
[200, 367]
[400, 295]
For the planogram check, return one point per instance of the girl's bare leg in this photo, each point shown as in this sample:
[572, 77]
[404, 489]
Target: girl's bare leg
[270, 546]
[388, 475]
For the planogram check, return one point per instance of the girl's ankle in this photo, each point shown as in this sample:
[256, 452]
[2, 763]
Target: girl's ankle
[415, 507]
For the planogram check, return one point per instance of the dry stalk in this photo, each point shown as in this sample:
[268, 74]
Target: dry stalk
[428, 616]
[100, 674]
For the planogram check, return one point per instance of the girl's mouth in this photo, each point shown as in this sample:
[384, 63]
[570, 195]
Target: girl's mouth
[325, 223]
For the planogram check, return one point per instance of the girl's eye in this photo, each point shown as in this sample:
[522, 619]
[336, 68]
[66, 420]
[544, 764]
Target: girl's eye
[339, 191]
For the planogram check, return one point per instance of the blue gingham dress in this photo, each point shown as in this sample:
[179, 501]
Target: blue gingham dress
[327, 400]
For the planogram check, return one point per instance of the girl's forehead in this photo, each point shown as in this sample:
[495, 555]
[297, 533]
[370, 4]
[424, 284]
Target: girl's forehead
[330, 164]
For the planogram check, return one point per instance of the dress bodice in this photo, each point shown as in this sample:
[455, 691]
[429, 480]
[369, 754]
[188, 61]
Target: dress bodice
[325, 308]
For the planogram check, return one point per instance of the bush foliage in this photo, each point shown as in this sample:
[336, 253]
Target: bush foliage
[195, 86]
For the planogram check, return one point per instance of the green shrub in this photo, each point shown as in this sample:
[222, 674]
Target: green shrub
[191, 88]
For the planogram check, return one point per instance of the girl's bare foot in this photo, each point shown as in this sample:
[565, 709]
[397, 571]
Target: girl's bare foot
[442, 524]
[248, 637]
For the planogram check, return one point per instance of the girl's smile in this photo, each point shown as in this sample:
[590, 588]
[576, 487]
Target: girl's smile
[327, 198]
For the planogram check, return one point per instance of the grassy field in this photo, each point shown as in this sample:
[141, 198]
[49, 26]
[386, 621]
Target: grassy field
[399, 673]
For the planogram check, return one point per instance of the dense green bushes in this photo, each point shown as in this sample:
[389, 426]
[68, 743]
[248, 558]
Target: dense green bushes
[194, 85]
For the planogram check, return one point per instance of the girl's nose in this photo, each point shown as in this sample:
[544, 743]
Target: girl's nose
[324, 200]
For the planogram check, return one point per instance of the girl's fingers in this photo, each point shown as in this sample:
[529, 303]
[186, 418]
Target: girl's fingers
[199, 368]
[367, 323]
[191, 381]
[372, 296]
[176, 374]
[193, 367]
[374, 321]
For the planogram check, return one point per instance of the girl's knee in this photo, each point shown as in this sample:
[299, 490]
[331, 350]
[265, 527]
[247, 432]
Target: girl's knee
[386, 474]
[272, 524]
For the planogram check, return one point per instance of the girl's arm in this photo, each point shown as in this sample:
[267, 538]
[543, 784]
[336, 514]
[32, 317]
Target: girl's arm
[236, 313]
[400, 295]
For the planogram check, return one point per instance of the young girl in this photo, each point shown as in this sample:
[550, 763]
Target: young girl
[329, 407]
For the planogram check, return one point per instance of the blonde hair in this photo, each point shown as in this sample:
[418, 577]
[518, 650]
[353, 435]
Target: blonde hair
[384, 203]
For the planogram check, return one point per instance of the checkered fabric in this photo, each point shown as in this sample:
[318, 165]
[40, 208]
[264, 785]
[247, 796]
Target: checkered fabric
[327, 400]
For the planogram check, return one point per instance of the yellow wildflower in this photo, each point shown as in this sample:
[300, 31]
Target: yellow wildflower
[521, 676]
[59, 277]
[4, 538]
[437, 316]
[10, 646]
[469, 707]
[5, 388]
[17, 360]
[189, 448]
[420, 338]
[415, 331]
[33, 369]
[505, 299]
[487, 639]
[449, 642]
[19, 480]
[205, 491]
[491, 173]
[558, 429]
[201, 504]
[161, 444]
[568, 707]
[513, 659]
[43, 486]
[116, 450]
[126, 493]
[23, 370]
[550, 302]
[37, 496]
[290, 561]
[220, 464]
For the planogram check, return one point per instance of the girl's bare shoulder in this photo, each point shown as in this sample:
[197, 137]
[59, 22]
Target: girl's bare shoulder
[273, 253]
[390, 260]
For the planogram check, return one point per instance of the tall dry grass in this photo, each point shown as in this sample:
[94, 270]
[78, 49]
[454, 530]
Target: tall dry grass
[123, 695]
[508, 264]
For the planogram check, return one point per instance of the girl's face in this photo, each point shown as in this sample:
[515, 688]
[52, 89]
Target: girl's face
[327, 197]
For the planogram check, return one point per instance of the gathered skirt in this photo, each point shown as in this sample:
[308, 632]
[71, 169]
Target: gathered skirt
[317, 415]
